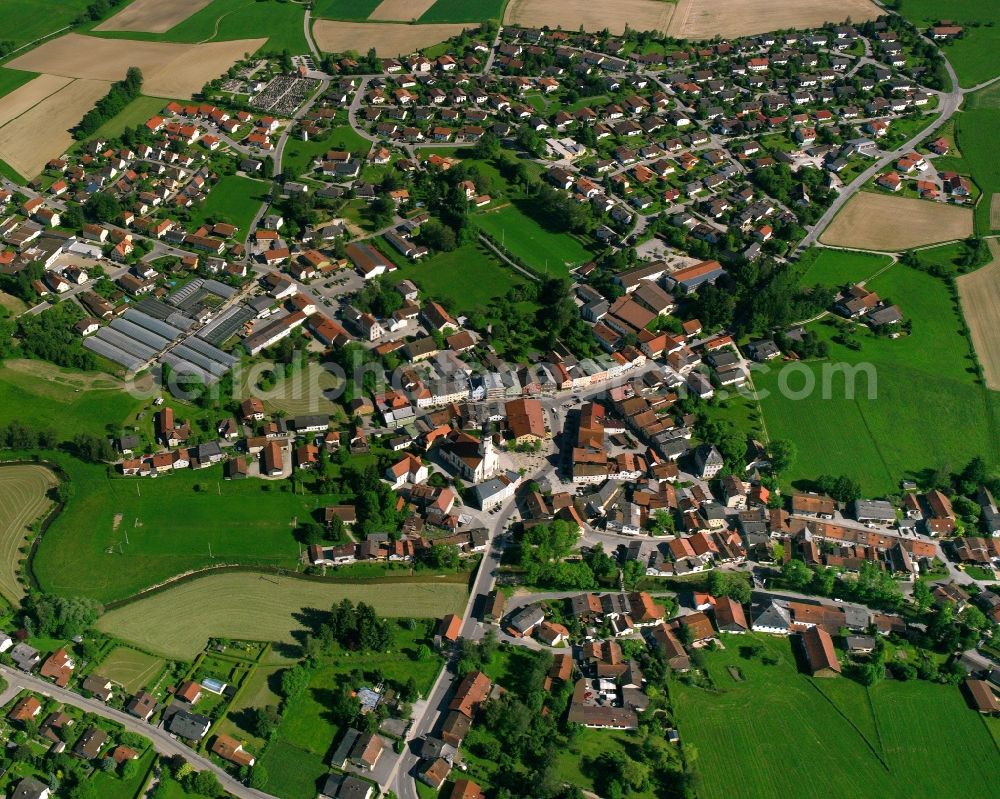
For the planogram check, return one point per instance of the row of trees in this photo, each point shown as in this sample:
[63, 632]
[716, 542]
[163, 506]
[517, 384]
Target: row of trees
[119, 95]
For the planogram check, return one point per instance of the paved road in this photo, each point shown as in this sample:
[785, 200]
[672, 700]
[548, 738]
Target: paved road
[949, 103]
[163, 742]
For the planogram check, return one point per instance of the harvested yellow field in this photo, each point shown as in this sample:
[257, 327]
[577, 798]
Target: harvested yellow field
[979, 292]
[388, 39]
[42, 133]
[872, 221]
[168, 69]
[400, 10]
[639, 15]
[30, 94]
[703, 19]
[995, 212]
[152, 16]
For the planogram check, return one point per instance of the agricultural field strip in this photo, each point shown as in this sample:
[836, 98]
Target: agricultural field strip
[26, 97]
[703, 19]
[388, 38]
[979, 292]
[871, 221]
[400, 10]
[23, 498]
[573, 14]
[152, 16]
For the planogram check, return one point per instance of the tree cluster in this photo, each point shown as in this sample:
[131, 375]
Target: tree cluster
[119, 95]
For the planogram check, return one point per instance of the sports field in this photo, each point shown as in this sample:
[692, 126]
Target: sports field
[913, 739]
[924, 392]
[974, 54]
[233, 199]
[28, 142]
[43, 395]
[469, 276]
[261, 607]
[881, 221]
[546, 252]
[703, 19]
[23, 499]
[840, 267]
[152, 16]
[463, 10]
[141, 532]
[168, 69]
[980, 295]
[388, 38]
[131, 669]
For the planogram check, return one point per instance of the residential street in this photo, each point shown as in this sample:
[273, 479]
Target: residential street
[164, 743]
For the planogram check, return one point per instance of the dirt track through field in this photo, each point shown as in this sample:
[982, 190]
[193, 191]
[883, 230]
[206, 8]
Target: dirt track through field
[29, 95]
[639, 15]
[979, 292]
[400, 10]
[884, 222]
[42, 133]
[152, 16]
[703, 19]
[388, 39]
[168, 69]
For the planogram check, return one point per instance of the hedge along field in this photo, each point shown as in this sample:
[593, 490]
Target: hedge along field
[973, 55]
[926, 392]
[171, 527]
[178, 621]
[975, 131]
[913, 739]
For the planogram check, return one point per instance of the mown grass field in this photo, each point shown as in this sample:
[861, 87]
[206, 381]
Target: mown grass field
[227, 20]
[67, 401]
[170, 527]
[135, 113]
[924, 393]
[27, 20]
[233, 199]
[839, 267]
[263, 607]
[973, 55]
[470, 276]
[975, 131]
[130, 668]
[464, 11]
[23, 499]
[912, 739]
[545, 252]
